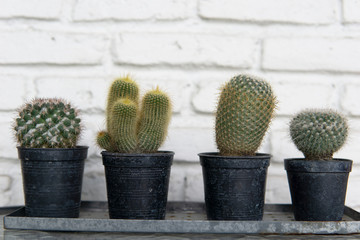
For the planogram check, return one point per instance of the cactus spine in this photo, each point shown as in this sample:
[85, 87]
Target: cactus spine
[318, 133]
[47, 123]
[129, 128]
[244, 112]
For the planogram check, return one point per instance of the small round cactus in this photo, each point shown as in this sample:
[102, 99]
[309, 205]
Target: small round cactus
[132, 128]
[246, 107]
[318, 133]
[47, 123]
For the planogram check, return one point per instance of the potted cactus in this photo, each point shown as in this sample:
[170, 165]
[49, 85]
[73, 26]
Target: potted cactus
[47, 131]
[234, 178]
[318, 182]
[137, 174]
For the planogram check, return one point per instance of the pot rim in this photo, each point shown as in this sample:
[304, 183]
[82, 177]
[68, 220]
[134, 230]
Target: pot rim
[117, 154]
[52, 149]
[216, 154]
[302, 165]
[214, 160]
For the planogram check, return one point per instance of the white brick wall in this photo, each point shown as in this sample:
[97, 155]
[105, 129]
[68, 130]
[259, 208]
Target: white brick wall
[308, 50]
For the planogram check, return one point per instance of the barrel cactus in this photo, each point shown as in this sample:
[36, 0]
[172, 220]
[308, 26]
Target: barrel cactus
[319, 133]
[134, 127]
[47, 123]
[244, 112]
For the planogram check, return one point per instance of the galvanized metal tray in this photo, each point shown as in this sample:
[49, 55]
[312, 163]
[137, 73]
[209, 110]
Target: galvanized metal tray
[185, 217]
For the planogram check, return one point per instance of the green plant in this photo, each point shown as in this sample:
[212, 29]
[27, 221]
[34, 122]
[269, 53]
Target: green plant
[47, 123]
[132, 128]
[318, 133]
[244, 112]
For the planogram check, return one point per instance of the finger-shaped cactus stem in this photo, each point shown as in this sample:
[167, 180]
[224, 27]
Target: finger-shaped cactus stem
[123, 87]
[123, 125]
[154, 119]
[103, 140]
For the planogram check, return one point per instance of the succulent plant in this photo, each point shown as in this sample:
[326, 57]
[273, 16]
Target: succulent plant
[244, 112]
[47, 123]
[319, 133]
[132, 128]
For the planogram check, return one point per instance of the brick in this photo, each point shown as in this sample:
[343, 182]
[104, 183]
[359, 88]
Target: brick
[194, 185]
[5, 184]
[177, 89]
[188, 142]
[15, 89]
[94, 186]
[206, 98]
[350, 101]
[291, 90]
[38, 9]
[281, 144]
[177, 183]
[285, 11]
[8, 145]
[86, 93]
[351, 10]
[30, 47]
[277, 189]
[92, 10]
[312, 54]
[184, 49]
[92, 124]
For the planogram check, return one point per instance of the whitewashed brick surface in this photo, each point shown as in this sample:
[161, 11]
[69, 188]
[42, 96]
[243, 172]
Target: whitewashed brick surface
[312, 54]
[351, 11]
[40, 9]
[92, 10]
[308, 51]
[267, 11]
[184, 49]
[31, 47]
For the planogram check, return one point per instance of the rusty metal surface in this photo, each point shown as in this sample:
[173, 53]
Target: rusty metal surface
[185, 217]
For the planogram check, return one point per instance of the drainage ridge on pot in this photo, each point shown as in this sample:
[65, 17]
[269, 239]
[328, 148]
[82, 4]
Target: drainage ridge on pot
[137, 184]
[318, 188]
[52, 180]
[234, 185]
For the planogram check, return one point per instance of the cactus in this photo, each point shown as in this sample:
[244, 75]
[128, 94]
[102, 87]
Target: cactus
[318, 133]
[154, 120]
[244, 112]
[130, 129]
[47, 123]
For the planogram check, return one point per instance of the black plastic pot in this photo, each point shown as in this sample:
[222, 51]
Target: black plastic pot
[234, 186]
[137, 184]
[318, 188]
[52, 180]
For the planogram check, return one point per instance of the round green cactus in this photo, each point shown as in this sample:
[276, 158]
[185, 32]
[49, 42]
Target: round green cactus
[245, 109]
[47, 123]
[130, 130]
[318, 133]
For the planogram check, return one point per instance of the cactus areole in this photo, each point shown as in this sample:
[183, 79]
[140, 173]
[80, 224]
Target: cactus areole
[245, 109]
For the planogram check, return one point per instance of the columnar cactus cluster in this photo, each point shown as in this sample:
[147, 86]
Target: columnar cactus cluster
[132, 128]
[318, 133]
[244, 112]
[47, 123]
